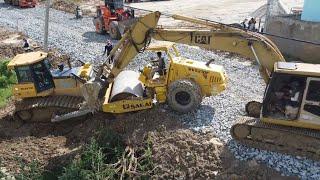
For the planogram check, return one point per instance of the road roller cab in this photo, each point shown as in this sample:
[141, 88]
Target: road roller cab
[37, 79]
[179, 81]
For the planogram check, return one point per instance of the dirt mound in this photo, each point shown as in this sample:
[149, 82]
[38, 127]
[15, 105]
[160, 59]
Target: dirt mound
[52, 145]
[66, 6]
[185, 154]
[9, 43]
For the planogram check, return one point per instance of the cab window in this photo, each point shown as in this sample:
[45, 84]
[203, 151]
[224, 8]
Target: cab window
[313, 91]
[23, 74]
[42, 76]
[313, 95]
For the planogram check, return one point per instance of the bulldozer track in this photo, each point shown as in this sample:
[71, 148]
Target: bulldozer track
[288, 140]
[41, 109]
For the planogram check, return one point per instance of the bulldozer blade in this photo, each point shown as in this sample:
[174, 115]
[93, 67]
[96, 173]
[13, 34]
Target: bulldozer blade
[71, 115]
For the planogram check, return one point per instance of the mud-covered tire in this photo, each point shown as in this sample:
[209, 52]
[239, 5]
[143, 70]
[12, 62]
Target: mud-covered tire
[99, 26]
[114, 30]
[253, 109]
[184, 95]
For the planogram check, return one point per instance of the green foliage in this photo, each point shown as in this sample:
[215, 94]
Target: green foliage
[112, 144]
[146, 163]
[7, 78]
[105, 157]
[5, 94]
[30, 171]
[94, 162]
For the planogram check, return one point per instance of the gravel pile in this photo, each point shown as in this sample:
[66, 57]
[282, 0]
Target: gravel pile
[77, 38]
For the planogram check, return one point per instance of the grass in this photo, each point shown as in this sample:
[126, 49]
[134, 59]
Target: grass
[7, 79]
[5, 94]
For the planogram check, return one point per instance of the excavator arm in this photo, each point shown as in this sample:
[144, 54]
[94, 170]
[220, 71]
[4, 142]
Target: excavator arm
[215, 36]
[218, 36]
[134, 41]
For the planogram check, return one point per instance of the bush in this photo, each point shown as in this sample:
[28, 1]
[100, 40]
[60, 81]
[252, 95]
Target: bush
[7, 77]
[91, 165]
[30, 171]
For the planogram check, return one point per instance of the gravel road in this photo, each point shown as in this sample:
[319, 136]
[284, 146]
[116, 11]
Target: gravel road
[77, 38]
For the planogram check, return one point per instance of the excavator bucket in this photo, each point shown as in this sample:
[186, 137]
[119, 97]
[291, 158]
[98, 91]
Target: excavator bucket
[124, 25]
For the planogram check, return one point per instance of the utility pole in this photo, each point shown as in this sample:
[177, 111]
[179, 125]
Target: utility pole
[269, 2]
[46, 26]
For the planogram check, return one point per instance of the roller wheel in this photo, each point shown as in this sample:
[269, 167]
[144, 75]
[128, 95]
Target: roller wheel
[99, 26]
[253, 109]
[184, 96]
[114, 30]
[24, 115]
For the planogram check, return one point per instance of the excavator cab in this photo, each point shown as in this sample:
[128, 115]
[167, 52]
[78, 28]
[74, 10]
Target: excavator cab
[293, 97]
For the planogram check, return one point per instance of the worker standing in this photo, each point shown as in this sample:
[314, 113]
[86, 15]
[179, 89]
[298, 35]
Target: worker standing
[107, 49]
[252, 24]
[26, 45]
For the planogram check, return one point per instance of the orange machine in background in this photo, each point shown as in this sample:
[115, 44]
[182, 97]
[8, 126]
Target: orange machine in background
[22, 3]
[113, 18]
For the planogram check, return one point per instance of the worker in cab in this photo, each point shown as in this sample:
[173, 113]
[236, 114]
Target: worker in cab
[162, 64]
[107, 49]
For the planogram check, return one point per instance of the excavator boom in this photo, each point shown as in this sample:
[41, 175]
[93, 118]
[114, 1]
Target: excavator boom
[247, 44]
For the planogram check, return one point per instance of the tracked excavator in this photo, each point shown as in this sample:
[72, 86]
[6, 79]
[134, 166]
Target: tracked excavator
[287, 120]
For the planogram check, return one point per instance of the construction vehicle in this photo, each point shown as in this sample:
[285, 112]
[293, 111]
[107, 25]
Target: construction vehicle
[288, 119]
[182, 83]
[288, 114]
[44, 92]
[113, 18]
[22, 3]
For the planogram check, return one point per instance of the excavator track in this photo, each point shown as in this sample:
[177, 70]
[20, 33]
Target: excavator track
[289, 140]
[42, 109]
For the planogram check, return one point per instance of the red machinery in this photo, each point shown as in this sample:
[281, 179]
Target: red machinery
[22, 3]
[113, 18]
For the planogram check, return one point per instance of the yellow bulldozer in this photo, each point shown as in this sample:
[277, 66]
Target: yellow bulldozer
[288, 118]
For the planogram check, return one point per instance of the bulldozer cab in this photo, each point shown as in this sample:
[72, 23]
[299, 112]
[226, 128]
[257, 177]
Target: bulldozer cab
[33, 74]
[292, 96]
